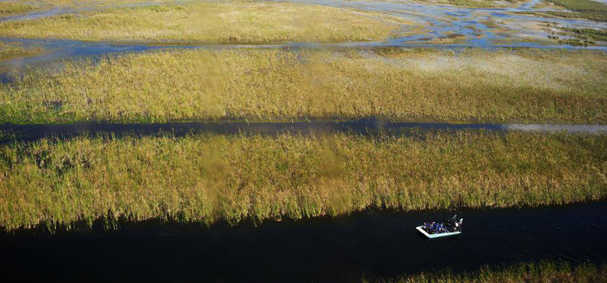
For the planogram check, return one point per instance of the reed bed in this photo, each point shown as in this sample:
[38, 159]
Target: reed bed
[209, 177]
[212, 22]
[544, 271]
[468, 85]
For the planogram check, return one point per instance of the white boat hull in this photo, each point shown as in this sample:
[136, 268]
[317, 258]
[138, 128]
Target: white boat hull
[434, 236]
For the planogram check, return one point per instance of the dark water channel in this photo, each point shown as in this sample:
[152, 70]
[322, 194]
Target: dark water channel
[368, 244]
[370, 126]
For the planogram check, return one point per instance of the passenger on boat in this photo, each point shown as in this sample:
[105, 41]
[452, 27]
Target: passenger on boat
[458, 225]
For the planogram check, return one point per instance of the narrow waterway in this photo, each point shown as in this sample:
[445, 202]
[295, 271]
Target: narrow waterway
[366, 127]
[368, 244]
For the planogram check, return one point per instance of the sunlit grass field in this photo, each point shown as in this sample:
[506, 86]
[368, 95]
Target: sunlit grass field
[540, 272]
[212, 22]
[468, 85]
[209, 177]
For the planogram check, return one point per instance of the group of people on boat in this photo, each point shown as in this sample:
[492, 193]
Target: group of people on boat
[451, 224]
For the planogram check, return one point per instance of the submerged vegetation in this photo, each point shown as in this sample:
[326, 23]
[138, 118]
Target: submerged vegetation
[231, 22]
[210, 177]
[544, 271]
[398, 84]
[9, 51]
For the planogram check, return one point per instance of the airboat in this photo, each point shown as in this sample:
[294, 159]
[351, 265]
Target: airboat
[433, 230]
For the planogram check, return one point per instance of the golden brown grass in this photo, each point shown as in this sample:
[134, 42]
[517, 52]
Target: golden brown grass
[10, 8]
[405, 85]
[97, 3]
[204, 178]
[484, 3]
[230, 22]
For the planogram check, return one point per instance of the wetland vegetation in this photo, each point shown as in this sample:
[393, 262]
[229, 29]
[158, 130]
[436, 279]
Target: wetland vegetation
[9, 8]
[587, 9]
[588, 34]
[481, 3]
[212, 22]
[161, 61]
[204, 178]
[282, 85]
[11, 51]
[544, 271]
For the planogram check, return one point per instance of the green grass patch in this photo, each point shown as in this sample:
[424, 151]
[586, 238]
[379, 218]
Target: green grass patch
[210, 177]
[544, 271]
[230, 22]
[588, 9]
[588, 34]
[277, 85]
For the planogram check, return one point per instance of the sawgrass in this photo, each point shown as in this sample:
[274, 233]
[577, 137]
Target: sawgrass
[12, 8]
[544, 271]
[230, 22]
[405, 85]
[209, 177]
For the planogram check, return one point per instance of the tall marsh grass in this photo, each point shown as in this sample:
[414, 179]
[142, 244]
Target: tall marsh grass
[209, 177]
[405, 85]
[212, 22]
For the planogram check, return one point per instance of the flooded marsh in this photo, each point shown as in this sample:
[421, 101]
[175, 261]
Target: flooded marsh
[303, 140]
